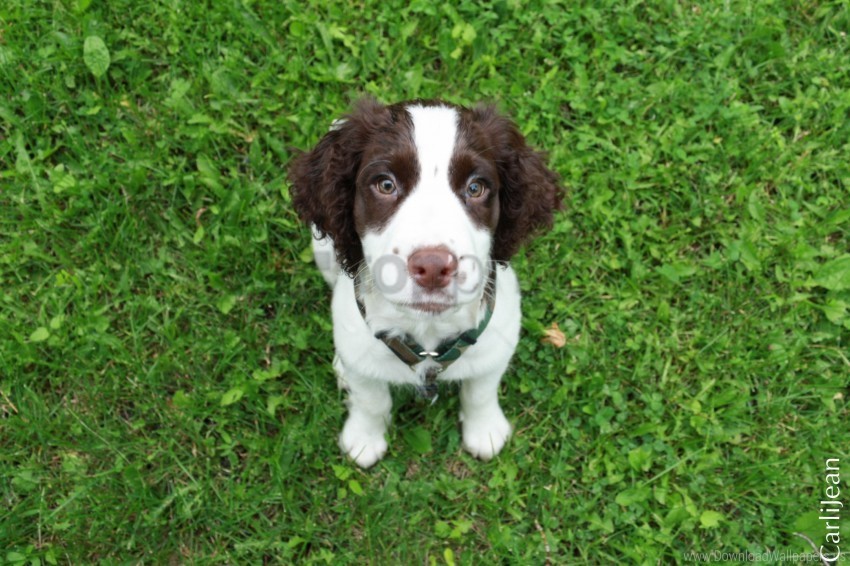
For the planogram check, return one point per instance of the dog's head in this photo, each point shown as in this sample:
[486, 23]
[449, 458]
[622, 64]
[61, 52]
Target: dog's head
[423, 196]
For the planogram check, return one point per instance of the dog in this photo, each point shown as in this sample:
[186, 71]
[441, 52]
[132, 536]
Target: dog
[416, 209]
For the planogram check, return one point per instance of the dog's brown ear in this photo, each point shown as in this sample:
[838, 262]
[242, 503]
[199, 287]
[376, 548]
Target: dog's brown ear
[323, 181]
[529, 193]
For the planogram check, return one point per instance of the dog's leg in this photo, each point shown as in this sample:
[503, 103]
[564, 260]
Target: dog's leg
[485, 428]
[369, 405]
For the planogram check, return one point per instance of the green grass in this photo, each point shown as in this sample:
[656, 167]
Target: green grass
[167, 395]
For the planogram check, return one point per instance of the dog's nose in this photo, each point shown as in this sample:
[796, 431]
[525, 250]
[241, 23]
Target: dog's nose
[432, 268]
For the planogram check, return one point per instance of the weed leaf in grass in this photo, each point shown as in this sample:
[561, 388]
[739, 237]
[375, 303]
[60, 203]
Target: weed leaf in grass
[40, 334]
[836, 311]
[419, 439]
[226, 303]
[710, 519]
[62, 180]
[676, 272]
[96, 55]
[82, 6]
[834, 275]
[209, 173]
[633, 495]
[232, 396]
[355, 487]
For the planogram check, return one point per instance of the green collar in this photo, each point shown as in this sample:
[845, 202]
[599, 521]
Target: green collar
[408, 350]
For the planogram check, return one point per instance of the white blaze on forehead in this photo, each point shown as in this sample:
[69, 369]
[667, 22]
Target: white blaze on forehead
[434, 132]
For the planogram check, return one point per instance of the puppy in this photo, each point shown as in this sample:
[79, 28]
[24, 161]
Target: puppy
[416, 209]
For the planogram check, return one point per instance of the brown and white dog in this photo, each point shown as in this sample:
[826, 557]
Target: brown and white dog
[416, 208]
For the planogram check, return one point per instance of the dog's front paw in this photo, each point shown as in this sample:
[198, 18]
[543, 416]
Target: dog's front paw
[485, 434]
[364, 445]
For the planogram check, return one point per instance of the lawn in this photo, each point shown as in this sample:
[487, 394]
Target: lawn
[166, 392]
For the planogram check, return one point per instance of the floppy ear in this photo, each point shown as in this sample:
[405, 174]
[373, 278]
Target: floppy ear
[323, 182]
[529, 193]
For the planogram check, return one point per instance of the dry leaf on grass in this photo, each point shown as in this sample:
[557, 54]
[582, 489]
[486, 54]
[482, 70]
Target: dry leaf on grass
[553, 335]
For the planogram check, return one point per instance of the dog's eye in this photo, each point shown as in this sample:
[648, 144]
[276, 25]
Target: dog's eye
[475, 189]
[385, 186]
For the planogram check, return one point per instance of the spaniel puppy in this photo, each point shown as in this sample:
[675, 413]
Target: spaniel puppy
[415, 209]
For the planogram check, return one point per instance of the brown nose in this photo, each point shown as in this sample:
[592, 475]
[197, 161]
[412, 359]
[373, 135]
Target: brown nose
[432, 268]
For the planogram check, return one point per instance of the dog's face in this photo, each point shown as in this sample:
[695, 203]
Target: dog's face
[422, 196]
[425, 210]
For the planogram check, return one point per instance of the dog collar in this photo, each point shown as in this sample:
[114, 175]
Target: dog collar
[409, 351]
